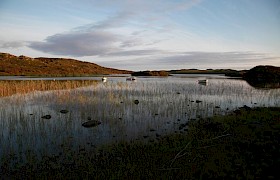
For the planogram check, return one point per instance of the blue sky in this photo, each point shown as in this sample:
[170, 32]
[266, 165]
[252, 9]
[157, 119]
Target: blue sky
[145, 34]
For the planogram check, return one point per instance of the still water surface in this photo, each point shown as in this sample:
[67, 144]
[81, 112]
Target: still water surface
[165, 106]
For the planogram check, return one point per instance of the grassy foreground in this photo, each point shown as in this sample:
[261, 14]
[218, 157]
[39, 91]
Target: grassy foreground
[243, 145]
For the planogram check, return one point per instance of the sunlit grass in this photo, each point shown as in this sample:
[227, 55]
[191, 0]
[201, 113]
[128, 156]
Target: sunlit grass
[10, 87]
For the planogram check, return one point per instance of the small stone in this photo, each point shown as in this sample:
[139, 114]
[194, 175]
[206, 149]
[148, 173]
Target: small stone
[217, 107]
[91, 123]
[64, 111]
[46, 117]
[198, 101]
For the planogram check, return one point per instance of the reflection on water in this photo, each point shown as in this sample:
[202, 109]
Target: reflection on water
[263, 84]
[165, 105]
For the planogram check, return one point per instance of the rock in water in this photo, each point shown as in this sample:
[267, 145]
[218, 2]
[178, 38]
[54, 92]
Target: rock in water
[46, 117]
[136, 101]
[64, 111]
[91, 123]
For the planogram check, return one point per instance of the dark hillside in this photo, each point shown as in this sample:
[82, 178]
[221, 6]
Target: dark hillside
[264, 76]
[41, 66]
[150, 73]
[264, 73]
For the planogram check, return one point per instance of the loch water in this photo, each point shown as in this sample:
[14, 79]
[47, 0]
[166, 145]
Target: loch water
[164, 105]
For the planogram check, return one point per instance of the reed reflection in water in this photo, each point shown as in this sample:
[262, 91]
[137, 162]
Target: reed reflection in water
[165, 106]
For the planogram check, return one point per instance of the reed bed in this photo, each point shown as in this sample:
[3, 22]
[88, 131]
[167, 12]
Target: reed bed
[237, 146]
[165, 106]
[11, 87]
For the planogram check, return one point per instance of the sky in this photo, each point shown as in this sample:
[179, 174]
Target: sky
[145, 34]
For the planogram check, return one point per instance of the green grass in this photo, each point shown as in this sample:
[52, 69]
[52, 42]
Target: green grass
[242, 145]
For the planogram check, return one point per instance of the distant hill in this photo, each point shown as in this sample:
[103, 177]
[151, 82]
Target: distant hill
[150, 73]
[264, 73]
[41, 66]
[226, 72]
[264, 76]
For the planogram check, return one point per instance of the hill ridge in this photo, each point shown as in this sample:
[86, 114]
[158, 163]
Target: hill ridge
[44, 66]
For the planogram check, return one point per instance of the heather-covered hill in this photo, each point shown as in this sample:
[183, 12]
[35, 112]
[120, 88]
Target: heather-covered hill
[41, 66]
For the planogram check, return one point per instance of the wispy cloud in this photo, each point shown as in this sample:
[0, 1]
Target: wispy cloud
[77, 43]
[216, 58]
[145, 52]
[100, 38]
[156, 34]
[202, 60]
[95, 39]
[12, 44]
[118, 20]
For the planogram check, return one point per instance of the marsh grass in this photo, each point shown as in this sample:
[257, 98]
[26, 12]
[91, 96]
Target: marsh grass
[165, 107]
[242, 145]
[10, 87]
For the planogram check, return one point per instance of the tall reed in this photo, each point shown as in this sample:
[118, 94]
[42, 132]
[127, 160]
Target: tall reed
[165, 106]
[10, 87]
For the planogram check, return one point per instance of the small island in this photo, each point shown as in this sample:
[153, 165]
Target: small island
[150, 73]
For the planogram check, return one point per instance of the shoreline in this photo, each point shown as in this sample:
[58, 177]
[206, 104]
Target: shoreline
[244, 144]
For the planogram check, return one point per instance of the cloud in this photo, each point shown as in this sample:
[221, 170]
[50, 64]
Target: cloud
[12, 44]
[101, 38]
[217, 58]
[160, 60]
[88, 40]
[147, 5]
[117, 20]
[77, 43]
[95, 40]
[144, 52]
[131, 43]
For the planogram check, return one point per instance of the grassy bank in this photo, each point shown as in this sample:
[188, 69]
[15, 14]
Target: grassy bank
[8, 88]
[242, 145]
